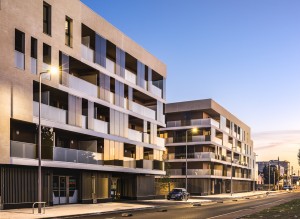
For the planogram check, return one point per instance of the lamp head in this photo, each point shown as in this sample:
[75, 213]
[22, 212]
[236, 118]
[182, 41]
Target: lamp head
[53, 70]
[194, 130]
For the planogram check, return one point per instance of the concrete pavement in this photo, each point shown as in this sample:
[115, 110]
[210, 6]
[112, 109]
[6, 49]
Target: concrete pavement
[102, 208]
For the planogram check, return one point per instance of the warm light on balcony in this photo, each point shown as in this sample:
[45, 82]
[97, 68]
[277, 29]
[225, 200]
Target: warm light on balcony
[194, 130]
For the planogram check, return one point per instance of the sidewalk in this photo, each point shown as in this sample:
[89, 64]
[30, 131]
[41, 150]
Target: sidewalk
[85, 209]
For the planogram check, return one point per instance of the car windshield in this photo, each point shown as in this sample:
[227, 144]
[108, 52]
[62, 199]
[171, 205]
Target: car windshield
[176, 190]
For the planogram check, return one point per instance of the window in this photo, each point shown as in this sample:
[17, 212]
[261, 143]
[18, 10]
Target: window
[46, 18]
[46, 54]
[33, 48]
[68, 31]
[19, 41]
[33, 54]
[19, 49]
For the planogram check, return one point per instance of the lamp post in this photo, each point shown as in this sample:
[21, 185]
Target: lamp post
[52, 70]
[193, 130]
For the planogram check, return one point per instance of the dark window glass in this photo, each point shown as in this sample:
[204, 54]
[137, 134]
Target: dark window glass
[33, 48]
[47, 54]
[68, 31]
[19, 41]
[47, 18]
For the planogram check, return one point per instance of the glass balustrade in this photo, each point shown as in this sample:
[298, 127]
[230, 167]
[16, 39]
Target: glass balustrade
[19, 60]
[50, 113]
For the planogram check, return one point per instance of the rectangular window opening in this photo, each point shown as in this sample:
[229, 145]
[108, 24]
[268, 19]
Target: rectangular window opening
[68, 31]
[47, 18]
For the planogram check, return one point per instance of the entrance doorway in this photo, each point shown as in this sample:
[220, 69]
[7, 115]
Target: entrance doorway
[64, 190]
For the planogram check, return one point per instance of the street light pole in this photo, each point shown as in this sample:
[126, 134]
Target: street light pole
[50, 71]
[193, 130]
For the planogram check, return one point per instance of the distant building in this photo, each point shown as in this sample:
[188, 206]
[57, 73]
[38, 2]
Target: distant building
[284, 166]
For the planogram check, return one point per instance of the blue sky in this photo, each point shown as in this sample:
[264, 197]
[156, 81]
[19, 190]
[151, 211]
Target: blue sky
[243, 54]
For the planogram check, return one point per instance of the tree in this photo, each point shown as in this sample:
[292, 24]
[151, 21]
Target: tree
[165, 180]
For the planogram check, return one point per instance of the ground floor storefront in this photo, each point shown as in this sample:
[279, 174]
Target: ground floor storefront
[202, 186]
[68, 186]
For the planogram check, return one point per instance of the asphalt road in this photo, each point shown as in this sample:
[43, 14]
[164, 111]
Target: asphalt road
[227, 210]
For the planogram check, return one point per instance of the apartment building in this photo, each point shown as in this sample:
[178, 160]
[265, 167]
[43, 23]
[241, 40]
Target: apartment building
[100, 113]
[213, 140]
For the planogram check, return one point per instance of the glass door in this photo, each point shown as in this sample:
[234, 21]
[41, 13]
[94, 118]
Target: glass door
[63, 190]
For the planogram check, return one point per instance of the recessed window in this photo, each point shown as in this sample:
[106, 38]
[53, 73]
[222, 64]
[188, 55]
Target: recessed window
[33, 54]
[68, 31]
[47, 18]
[19, 49]
[46, 54]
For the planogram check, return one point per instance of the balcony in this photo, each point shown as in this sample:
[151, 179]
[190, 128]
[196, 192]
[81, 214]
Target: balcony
[205, 122]
[145, 164]
[77, 156]
[154, 90]
[146, 138]
[218, 173]
[182, 139]
[19, 60]
[110, 66]
[199, 172]
[205, 155]
[130, 76]
[160, 142]
[134, 135]
[33, 65]
[50, 113]
[83, 122]
[175, 172]
[144, 111]
[174, 123]
[22, 149]
[129, 162]
[79, 84]
[218, 140]
[100, 126]
[87, 53]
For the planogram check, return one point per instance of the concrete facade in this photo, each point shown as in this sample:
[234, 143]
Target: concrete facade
[215, 140]
[100, 114]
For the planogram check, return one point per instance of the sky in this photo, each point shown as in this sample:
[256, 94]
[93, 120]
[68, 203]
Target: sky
[243, 54]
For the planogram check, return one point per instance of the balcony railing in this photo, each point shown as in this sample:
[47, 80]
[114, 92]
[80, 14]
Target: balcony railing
[79, 84]
[129, 162]
[218, 140]
[50, 113]
[174, 123]
[33, 65]
[130, 76]
[199, 172]
[87, 53]
[134, 135]
[77, 156]
[22, 149]
[205, 155]
[19, 60]
[154, 90]
[83, 122]
[160, 141]
[197, 138]
[110, 66]
[146, 138]
[100, 126]
[144, 111]
[145, 164]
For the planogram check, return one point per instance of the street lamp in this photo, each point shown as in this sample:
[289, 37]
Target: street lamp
[52, 70]
[193, 130]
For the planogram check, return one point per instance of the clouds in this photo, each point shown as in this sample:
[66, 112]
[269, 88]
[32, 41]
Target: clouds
[273, 144]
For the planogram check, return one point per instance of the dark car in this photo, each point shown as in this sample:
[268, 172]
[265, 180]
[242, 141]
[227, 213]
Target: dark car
[288, 188]
[178, 194]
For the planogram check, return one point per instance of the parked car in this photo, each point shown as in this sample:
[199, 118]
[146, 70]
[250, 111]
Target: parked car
[178, 194]
[286, 187]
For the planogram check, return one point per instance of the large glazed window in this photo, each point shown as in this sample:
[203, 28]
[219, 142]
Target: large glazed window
[47, 18]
